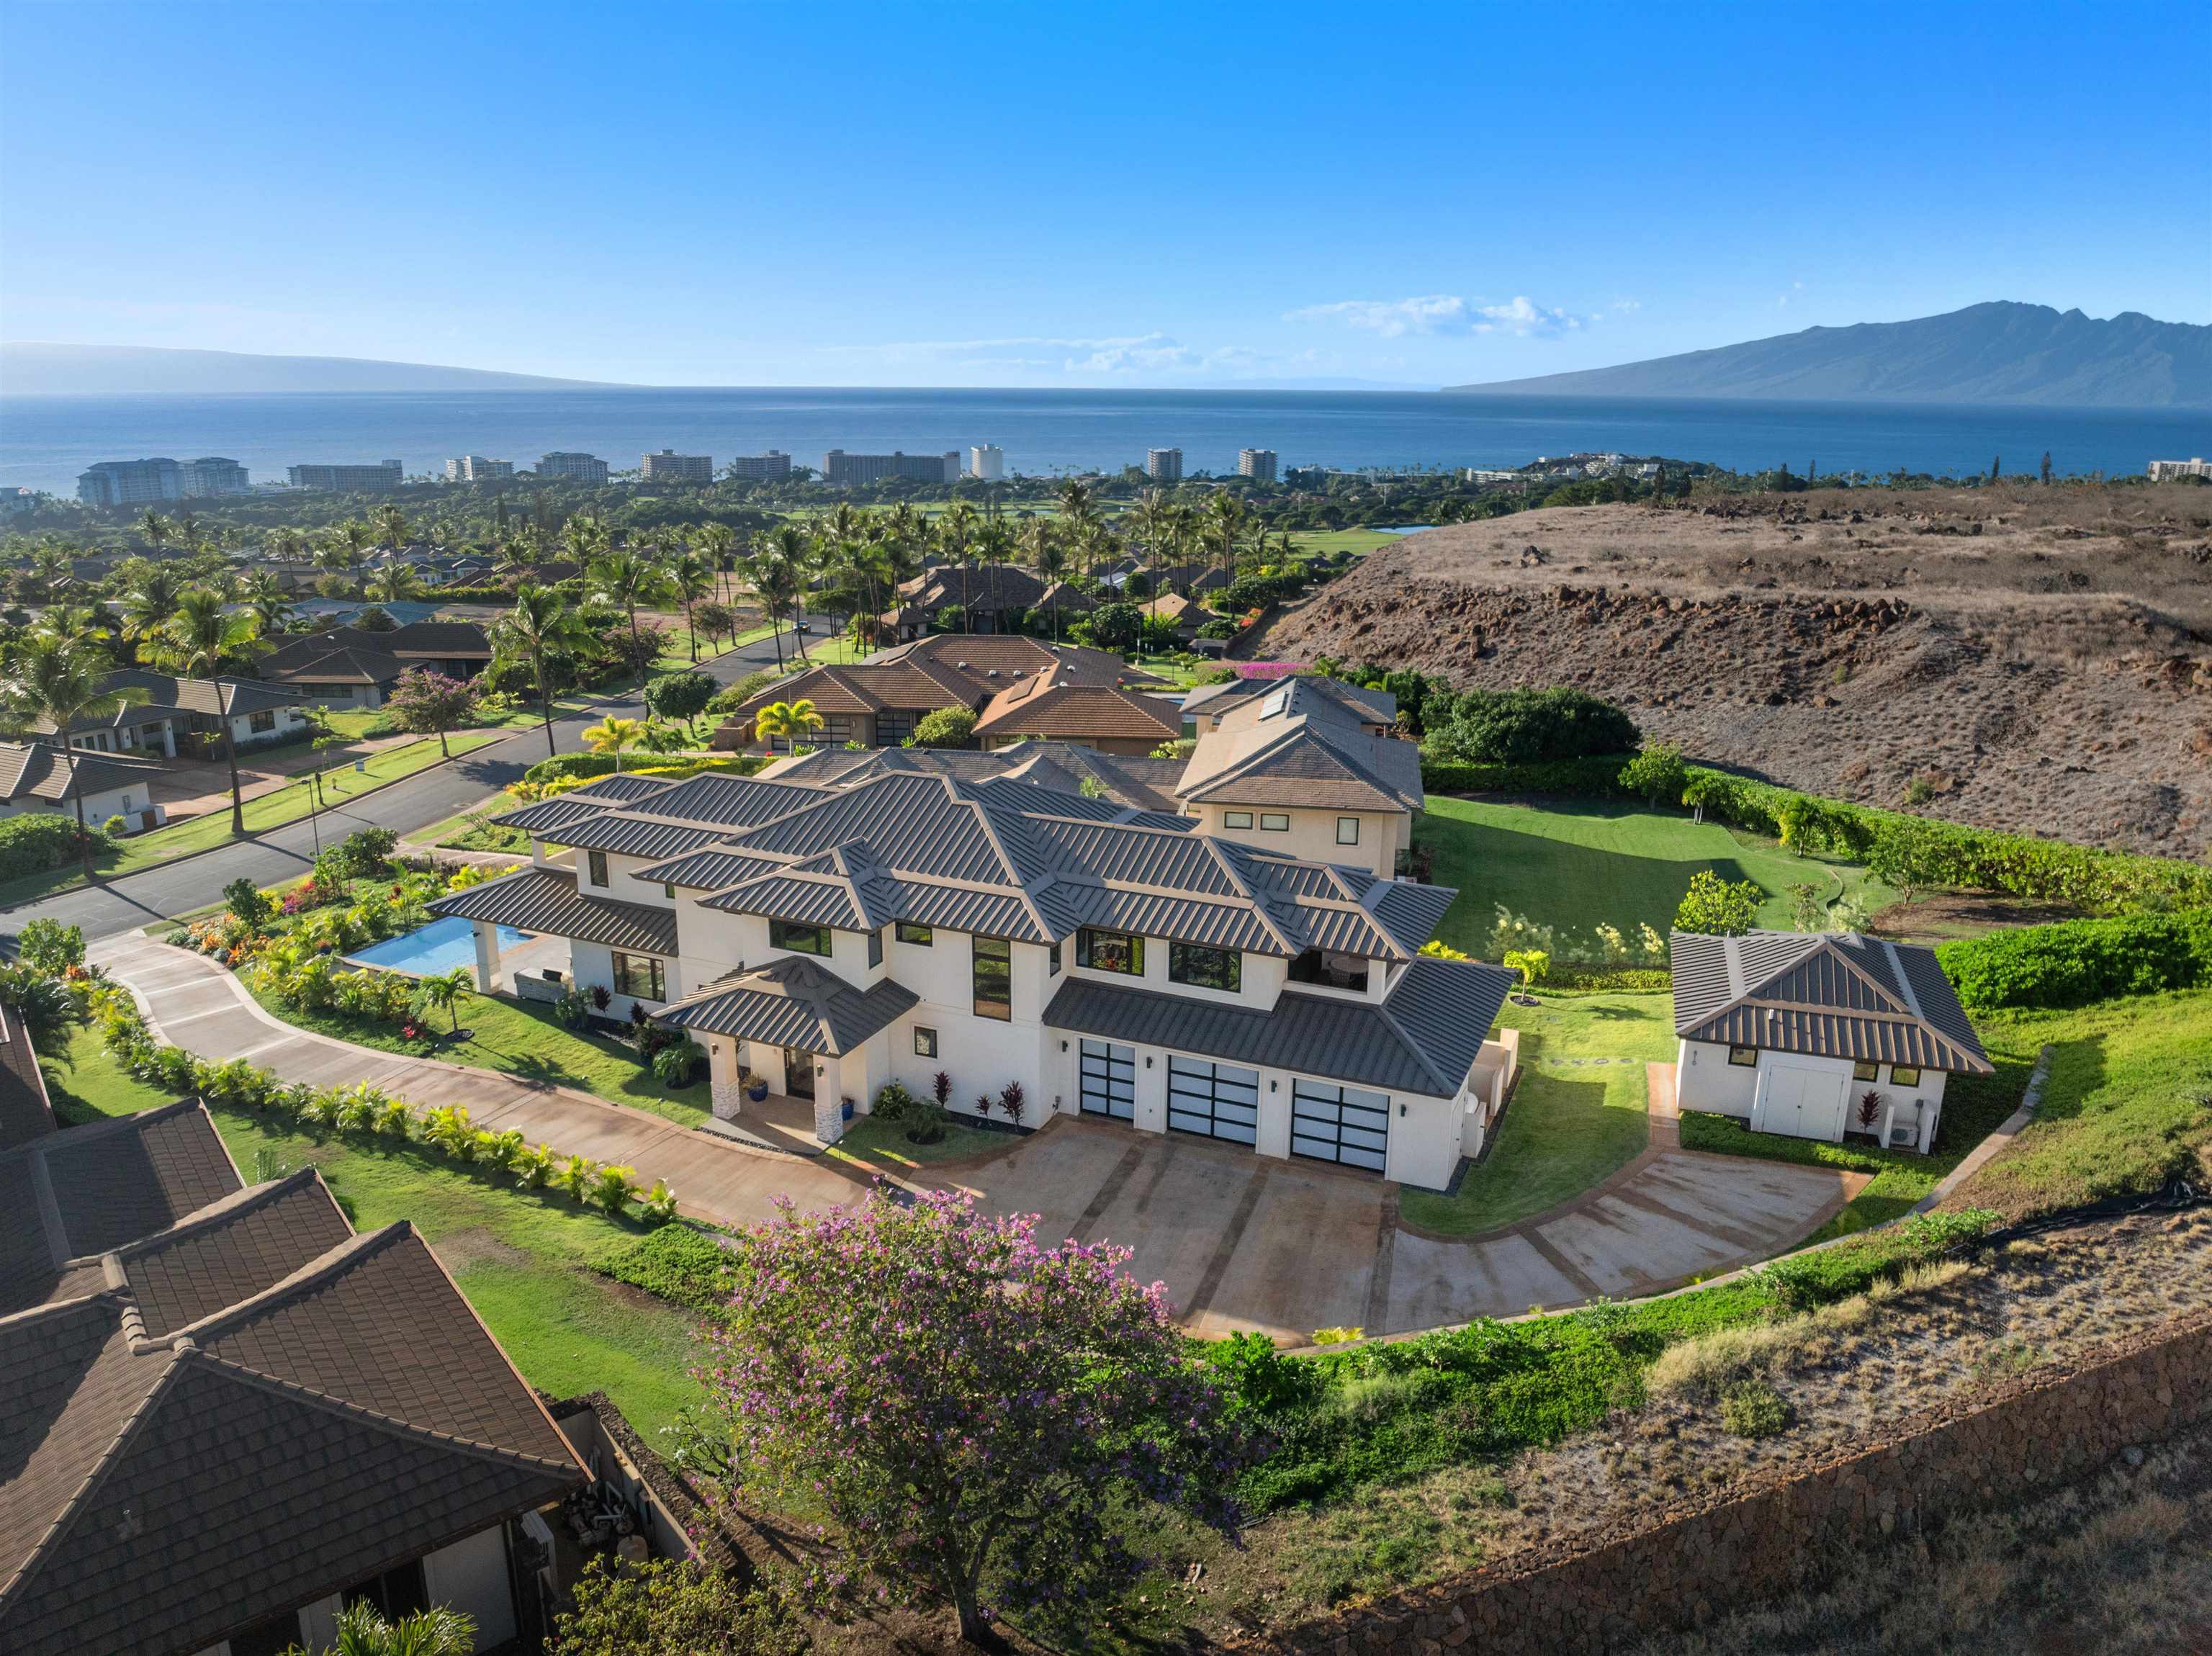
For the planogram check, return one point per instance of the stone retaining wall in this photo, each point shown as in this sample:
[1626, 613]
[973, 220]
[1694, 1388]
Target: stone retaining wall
[1610, 1589]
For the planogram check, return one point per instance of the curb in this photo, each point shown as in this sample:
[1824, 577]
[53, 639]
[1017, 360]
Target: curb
[2000, 1136]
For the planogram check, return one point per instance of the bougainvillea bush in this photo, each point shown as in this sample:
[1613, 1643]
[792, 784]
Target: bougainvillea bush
[970, 1410]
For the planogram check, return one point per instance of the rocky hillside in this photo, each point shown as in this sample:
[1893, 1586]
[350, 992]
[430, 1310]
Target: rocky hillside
[2040, 659]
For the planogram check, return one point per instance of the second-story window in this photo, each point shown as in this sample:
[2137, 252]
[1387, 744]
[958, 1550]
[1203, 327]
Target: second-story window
[876, 947]
[994, 979]
[1348, 830]
[1237, 819]
[921, 936]
[1330, 969]
[1206, 968]
[799, 939]
[1275, 822]
[1110, 951]
[597, 862]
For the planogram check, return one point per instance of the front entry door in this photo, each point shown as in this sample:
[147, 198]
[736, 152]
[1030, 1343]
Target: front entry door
[797, 1073]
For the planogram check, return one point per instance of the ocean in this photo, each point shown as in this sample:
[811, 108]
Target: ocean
[45, 441]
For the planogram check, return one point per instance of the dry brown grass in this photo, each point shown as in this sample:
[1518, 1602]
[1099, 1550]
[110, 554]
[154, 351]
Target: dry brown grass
[2050, 670]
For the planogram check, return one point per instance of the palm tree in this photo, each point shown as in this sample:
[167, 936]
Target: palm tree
[626, 578]
[443, 991]
[199, 641]
[156, 528]
[994, 546]
[955, 531]
[540, 625]
[57, 681]
[362, 1631]
[1048, 554]
[584, 538]
[262, 594]
[392, 528]
[788, 720]
[717, 543]
[395, 582]
[612, 735]
[792, 547]
[150, 600]
[693, 577]
[1224, 529]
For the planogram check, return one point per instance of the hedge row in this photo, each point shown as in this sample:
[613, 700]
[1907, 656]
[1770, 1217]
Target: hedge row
[1906, 851]
[2074, 962]
[32, 843]
[561, 765]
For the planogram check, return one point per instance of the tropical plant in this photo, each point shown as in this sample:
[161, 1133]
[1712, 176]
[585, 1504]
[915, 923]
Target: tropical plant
[1656, 773]
[625, 579]
[56, 682]
[363, 1630]
[612, 1187]
[534, 1167]
[867, 1360]
[1533, 964]
[612, 735]
[443, 991]
[573, 1176]
[425, 702]
[48, 946]
[787, 721]
[540, 627]
[944, 727]
[200, 639]
[673, 1607]
[680, 696]
[658, 1206]
[1715, 908]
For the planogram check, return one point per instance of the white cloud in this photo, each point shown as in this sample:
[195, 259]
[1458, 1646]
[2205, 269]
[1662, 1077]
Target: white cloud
[1441, 313]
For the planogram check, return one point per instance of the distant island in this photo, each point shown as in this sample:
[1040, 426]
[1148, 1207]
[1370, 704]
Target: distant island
[1993, 353]
[30, 369]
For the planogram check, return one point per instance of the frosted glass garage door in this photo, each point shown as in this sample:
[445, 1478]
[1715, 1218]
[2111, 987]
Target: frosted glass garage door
[1218, 1099]
[1339, 1124]
[1109, 1080]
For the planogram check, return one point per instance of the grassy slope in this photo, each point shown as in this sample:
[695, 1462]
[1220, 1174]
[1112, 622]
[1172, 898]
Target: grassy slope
[525, 1040]
[1575, 864]
[524, 1261]
[1577, 1115]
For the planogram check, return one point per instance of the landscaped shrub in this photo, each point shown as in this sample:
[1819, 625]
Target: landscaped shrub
[681, 1265]
[2074, 962]
[32, 844]
[672, 1065]
[1530, 726]
[1596, 778]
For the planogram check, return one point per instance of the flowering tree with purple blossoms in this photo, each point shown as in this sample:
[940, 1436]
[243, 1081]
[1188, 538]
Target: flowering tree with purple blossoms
[966, 1406]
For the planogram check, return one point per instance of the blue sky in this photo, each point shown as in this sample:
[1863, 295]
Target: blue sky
[1047, 195]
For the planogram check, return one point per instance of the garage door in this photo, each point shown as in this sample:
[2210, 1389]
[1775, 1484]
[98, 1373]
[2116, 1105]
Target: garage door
[1805, 1103]
[1218, 1099]
[1109, 1080]
[1339, 1124]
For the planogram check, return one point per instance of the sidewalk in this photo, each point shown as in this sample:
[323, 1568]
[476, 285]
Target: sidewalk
[204, 1008]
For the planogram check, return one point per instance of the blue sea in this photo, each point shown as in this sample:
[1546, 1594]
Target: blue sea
[45, 441]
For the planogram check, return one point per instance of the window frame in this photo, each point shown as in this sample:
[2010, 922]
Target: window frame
[1743, 1058]
[913, 934]
[1319, 957]
[261, 722]
[1230, 819]
[925, 1041]
[1863, 1071]
[999, 951]
[780, 933]
[595, 865]
[1179, 955]
[876, 947]
[1274, 822]
[623, 964]
[1899, 1072]
[1084, 947]
[1353, 824]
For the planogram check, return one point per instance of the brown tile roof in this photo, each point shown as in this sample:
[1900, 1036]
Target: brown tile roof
[249, 1411]
[115, 1181]
[865, 688]
[992, 659]
[26, 1113]
[1058, 704]
[1303, 760]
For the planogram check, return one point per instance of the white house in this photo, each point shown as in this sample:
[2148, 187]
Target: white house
[42, 776]
[188, 715]
[827, 939]
[1818, 1034]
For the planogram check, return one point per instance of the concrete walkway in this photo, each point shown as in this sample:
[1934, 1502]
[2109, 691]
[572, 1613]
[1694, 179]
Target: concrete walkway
[1242, 1241]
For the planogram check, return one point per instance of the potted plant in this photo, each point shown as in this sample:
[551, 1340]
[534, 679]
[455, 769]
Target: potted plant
[755, 1086]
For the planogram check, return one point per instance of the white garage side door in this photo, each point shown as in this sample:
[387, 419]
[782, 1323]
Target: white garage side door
[1218, 1099]
[1109, 1080]
[1339, 1124]
[1807, 1103]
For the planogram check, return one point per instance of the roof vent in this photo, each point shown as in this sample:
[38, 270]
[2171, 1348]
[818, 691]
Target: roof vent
[961, 665]
[991, 672]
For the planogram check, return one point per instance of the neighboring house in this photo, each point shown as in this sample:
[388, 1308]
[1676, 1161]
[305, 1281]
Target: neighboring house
[1794, 1032]
[350, 667]
[1300, 769]
[42, 776]
[187, 715]
[997, 598]
[831, 939]
[876, 704]
[1140, 783]
[229, 1415]
[1063, 704]
[1376, 711]
[994, 661]
[1185, 615]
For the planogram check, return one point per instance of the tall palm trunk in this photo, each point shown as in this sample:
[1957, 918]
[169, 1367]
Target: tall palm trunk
[83, 834]
[230, 758]
[544, 702]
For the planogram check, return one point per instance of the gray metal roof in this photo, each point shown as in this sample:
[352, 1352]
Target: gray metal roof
[712, 869]
[1422, 1039]
[727, 801]
[626, 788]
[1825, 994]
[792, 1002]
[549, 814]
[628, 835]
[545, 900]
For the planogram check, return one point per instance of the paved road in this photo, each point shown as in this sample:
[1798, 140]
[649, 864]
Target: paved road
[431, 795]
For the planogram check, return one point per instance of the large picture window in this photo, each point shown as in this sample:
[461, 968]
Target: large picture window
[799, 939]
[639, 977]
[1206, 968]
[1110, 951]
[992, 976]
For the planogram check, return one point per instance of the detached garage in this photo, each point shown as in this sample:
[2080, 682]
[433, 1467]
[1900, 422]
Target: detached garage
[1815, 1035]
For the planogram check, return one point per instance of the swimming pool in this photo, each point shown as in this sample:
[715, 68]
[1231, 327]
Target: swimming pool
[438, 947]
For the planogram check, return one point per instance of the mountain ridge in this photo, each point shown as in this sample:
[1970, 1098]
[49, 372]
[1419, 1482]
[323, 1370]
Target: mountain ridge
[1999, 352]
[39, 369]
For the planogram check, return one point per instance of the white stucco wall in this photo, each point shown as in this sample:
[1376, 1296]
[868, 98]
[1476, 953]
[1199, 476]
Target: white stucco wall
[471, 1576]
[1706, 1080]
[1312, 835]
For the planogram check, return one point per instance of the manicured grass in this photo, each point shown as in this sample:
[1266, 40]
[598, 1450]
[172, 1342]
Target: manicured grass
[1311, 541]
[2128, 1104]
[524, 1260]
[458, 833]
[274, 809]
[1577, 1115]
[1576, 864]
[884, 1144]
[521, 1038]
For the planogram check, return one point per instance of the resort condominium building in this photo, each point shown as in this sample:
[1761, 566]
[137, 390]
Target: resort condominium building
[583, 468]
[772, 467]
[1163, 465]
[387, 474]
[475, 469]
[987, 461]
[669, 467]
[130, 483]
[1256, 463]
[838, 467]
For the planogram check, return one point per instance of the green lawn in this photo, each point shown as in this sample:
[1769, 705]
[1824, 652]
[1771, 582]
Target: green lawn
[884, 1144]
[1577, 1115]
[1575, 864]
[522, 1039]
[1311, 541]
[458, 833]
[525, 1261]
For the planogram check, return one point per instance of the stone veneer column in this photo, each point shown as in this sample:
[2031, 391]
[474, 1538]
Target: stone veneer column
[724, 1086]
